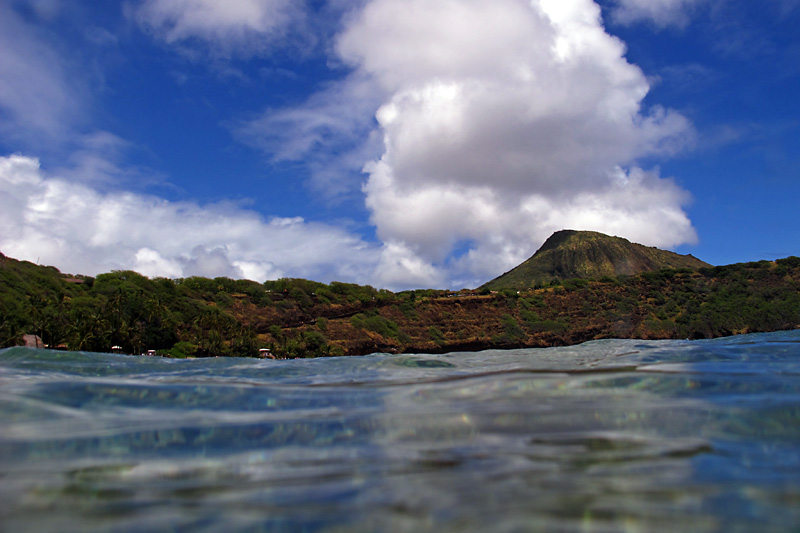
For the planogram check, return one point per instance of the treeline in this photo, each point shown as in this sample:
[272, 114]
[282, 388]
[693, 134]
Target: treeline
[712, 302]
[202, 317]
[193, 316]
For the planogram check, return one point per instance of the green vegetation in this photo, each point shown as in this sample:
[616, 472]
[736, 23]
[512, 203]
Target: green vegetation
[377, 323]
[436, 335]
[200, 317]
[573, 257]
[512, 332]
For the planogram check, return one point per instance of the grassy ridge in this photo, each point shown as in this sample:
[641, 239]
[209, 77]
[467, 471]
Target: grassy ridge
[300, 318]
[571, 254]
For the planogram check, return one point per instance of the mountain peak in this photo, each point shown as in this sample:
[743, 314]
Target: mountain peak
[589, 255]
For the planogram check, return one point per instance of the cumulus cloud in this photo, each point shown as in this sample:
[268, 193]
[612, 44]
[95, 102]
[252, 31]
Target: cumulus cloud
[482, 127]
[662, 13]
[85, 231]
[244, 26]
[505, 121]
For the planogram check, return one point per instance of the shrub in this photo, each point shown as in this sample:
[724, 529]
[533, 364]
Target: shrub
[790, 262]
[377, 323]
[529, 317]
[575, 283]
[534, 300]
[436, 334]
[547, 326]
[511, 330]
[182, 349]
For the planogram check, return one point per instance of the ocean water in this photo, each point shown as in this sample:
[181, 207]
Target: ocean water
[617, 435]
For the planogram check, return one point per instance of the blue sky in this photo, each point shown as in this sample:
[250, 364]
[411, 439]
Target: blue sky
[399, 143]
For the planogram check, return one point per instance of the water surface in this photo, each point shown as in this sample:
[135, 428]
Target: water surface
[605, 436]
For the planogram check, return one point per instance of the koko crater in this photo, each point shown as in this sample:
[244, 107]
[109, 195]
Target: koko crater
[571, 254]
[578, 286]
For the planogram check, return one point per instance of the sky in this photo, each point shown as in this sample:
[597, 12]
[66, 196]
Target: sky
[396, 143]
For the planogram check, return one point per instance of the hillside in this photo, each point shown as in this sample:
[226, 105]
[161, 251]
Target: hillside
[570, 254]
[202, 317]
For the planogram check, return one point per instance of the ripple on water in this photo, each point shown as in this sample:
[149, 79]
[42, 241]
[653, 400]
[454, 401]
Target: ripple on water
[606, 436]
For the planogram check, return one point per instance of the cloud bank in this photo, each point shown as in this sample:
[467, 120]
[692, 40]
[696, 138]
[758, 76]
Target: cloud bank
[504, 122]
[481, 128]
[82, 230]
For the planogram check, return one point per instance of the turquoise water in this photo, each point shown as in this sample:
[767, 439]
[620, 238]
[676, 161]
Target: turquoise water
[605, 436]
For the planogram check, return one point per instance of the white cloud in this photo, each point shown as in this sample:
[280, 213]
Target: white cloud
[38, 97]
[662, 13]
[422, 226]
[244, 26]
[84, 231]
[401, 266]
[496, 124]
[506, 121]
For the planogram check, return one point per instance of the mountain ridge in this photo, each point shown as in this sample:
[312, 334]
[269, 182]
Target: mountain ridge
[202, 317]
[569, 254]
